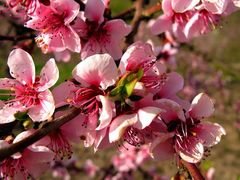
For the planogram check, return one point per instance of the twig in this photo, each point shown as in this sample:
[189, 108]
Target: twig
[38, 134]
[16, 38]
[136, 21]
[193, 170]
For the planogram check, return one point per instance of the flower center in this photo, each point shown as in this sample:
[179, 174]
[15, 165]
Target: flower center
[85, 99]
[60, 145]
[10, 167]
[134, 136]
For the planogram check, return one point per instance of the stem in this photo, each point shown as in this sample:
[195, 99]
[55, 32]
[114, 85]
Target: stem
[193, 170]
[38, 134]
[136, 21]
[16, 38]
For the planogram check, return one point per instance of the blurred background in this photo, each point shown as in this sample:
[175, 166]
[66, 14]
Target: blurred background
[210, 63]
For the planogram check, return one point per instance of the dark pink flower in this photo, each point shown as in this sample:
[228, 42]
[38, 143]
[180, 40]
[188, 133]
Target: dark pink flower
[53, 24]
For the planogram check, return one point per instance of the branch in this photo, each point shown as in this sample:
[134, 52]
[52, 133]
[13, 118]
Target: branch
[193, 170]
[38, 134]
[136, 21]
[16, 38]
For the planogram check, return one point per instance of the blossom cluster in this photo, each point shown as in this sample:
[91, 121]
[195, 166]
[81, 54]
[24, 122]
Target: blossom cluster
[128, 99]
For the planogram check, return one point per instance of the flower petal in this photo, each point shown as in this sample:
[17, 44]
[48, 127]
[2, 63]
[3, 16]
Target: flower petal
[45, 109]
[181, 6]
[162, 149]
[7, 114]
[146, 115]
[119, 125]
[8, 84]
[106, 113]
[161, 25]
[201, 107]
[190, 149]
[49, 75]
[21, 66]
[215, 6]
[98, 70]
[209, 133]
[94, 10]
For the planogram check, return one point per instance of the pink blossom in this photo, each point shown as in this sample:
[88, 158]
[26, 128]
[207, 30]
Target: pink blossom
[53, 23]
[129, 126]
[187, 19]
[98, 35]
[30, 163]
[130, 157]
[187, 135]
[31, 93]
[90, 168]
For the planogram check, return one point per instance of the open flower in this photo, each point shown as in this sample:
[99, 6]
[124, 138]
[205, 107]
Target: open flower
[53, 23]
[30, 163]
[187, 135]
[30, 93]
[97, 35]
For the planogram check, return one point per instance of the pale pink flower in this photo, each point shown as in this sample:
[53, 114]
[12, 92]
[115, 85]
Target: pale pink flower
[31, 93]
[95, 75]
[187, 136]
[187, 19]
[30, 163]
[130, 127]
[90, 168]
[63, 56]
[53, 24]
[130, 157]
[98, 35]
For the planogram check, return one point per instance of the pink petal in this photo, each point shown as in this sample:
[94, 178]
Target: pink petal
[190, 149]
[94, 10]
[45, 109]
[69, 7]
[98, 70]
[201, 107]
[71, 130]
[146, 115]
[9, 84]
[171, 110]
[91, 48]
[167, 7]
[62, 92]
[117, 28]
[209, 133]
[112, 47]
[63, 56]
[236, 3]
[49, 75]
[161, 25]
[135, 55]
[21, 66]
[194, 26]
[7, 114]
[162, 148]
[79, 26]
[215, 6]
[71, 39]
[106, 113]
[53, 41]
[173, 85]
[119, 125]
[181, 6]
